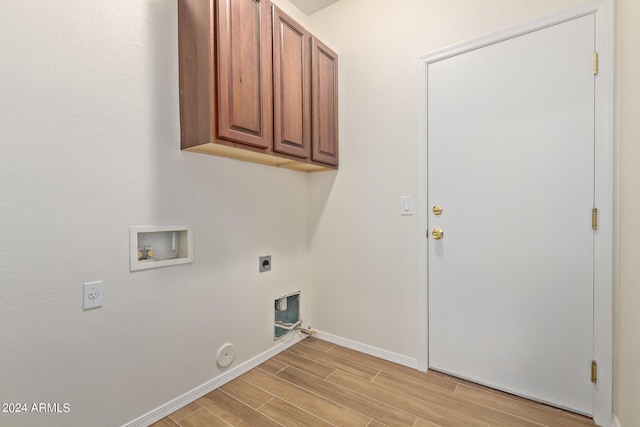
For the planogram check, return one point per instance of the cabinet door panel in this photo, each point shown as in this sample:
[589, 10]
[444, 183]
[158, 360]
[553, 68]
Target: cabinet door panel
[196, 108]
[325, 104]
[291, 86]
[244, 72]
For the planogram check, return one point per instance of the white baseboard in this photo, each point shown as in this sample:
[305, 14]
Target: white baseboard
[177, 403]
[616, 423]
[370, 350]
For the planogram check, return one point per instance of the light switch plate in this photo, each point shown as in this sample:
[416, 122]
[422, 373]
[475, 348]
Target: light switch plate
[406, 205]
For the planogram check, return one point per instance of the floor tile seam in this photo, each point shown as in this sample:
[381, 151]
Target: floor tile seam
[422, 389]
[418, 419]
[409, 380]
[303, 388]
[303, 410]
[241, 401]
[312, 346]
[510, 414]
[371, 366]
[427, 402]
[574, 416]
[338, 403]
[250, 408]
[273, 358]
[267, 416]
[500, 393]
[312, 360]
[503, 411]
[384, 367]
[273, 396]
[483, 418]
[347, 389]
[337, 357]
[374, 400]
[182, 418]
[258, 387]
[517, 399]
[212, 413]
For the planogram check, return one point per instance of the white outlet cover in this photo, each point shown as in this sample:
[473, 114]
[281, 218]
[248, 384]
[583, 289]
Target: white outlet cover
[92, 295]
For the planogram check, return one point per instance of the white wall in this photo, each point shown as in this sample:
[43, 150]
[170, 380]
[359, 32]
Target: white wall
[627, 340]
[90, 146]
[364, 253]
[89, 119]
[363, 250]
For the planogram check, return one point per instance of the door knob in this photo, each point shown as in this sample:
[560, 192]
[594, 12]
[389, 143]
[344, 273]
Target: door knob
[437, 210]
[437, 233]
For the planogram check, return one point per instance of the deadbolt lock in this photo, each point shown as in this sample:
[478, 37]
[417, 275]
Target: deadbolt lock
[437, 210]
[437, 233]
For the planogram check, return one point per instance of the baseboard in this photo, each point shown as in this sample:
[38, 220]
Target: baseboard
[616, 423]
[177, 403]
[370, 350]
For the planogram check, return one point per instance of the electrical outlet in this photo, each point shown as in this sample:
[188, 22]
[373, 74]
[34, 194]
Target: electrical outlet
[264, 263]
[92, 295]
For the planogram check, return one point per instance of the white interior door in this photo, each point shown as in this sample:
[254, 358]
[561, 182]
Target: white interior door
[510, 145]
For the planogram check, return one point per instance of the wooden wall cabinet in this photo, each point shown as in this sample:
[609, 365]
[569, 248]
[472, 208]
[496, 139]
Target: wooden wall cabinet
[244, 72]
[325, 103]
[250, 86]
[291, 86]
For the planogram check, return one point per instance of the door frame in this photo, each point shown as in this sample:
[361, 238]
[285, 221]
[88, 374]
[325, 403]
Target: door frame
[603, 10]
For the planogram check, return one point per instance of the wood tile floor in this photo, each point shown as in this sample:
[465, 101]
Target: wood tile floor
[316, 383]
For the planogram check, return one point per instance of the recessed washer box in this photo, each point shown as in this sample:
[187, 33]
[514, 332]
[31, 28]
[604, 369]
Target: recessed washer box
[160, 246]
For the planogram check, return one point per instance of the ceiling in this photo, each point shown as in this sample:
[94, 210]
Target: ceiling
[312, 6]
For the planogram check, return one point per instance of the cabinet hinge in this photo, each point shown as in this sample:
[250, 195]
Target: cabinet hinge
[594, 218]
[595, 63]
[594, 371]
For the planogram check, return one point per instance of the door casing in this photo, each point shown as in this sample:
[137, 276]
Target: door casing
[604, 174]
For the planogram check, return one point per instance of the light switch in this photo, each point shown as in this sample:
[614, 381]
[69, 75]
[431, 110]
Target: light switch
[406, 205]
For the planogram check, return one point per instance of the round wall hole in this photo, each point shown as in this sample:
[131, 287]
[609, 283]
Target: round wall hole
[226, 354]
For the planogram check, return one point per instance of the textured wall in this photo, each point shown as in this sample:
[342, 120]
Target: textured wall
[90, 146]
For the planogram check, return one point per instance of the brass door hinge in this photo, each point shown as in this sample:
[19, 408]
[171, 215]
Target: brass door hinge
[594, 372]
[595, 63]
[594, 218]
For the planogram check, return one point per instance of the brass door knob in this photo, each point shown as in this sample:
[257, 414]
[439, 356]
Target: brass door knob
[437, 233]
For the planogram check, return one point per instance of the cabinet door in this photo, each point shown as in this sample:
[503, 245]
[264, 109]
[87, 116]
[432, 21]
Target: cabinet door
[244, 72]
[291, 86]
[325, 104]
